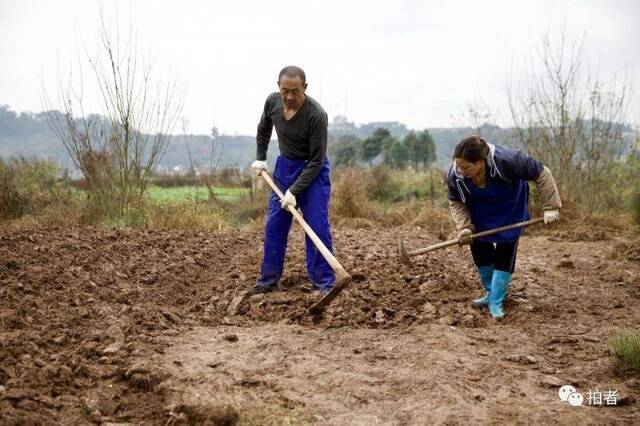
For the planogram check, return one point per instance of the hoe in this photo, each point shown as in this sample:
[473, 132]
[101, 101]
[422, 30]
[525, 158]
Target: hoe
[406, 256]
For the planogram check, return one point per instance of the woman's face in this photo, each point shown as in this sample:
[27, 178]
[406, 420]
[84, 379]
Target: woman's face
[470, 169]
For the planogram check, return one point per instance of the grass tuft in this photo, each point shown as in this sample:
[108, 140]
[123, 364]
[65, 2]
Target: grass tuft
[625, 351]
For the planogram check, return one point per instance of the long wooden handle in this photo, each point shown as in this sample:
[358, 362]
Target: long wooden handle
[477, 235]
[341, 273]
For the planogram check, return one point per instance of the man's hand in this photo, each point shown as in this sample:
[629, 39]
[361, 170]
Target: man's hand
[258, 166]
[288, 200]
[551, 216]
[463, 236]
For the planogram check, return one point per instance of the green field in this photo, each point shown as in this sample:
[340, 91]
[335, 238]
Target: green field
[192, 193]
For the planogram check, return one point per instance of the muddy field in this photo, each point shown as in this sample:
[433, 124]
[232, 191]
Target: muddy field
[146, 327]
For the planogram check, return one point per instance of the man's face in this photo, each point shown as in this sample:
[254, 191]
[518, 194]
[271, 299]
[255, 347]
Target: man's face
[470, 169]
[292, 91]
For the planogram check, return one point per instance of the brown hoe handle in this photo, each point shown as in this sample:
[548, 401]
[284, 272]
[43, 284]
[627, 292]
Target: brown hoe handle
[341, 273]
[476, 235]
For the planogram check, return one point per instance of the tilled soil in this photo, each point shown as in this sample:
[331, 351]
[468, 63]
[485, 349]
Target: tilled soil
[155, 327]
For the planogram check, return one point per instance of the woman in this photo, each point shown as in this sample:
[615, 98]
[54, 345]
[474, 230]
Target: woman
[488, 189]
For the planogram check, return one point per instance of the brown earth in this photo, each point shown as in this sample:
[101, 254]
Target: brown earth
[154, 327]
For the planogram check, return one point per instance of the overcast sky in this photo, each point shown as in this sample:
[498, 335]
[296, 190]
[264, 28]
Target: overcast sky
[419, 62]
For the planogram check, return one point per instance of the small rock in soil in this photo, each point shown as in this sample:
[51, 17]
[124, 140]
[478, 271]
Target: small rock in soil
[230, 337]
[566, 263]
[521, 359]
[551, 382]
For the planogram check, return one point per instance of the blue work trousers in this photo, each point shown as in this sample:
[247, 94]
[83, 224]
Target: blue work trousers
[314, 203]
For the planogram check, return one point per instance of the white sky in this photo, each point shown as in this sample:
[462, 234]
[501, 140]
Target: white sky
[419, 62]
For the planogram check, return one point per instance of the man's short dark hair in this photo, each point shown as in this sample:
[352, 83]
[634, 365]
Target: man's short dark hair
[292, 71]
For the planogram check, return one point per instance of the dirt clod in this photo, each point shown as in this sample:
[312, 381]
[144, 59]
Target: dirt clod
[205, 415]
[231, 337]
[566, 263]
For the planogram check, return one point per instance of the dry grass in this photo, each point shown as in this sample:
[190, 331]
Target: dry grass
[29, 187]
[368, 198]
[435, 217]
[361, 198]
[635, 206]
[186, 216]
[349, 198]
[250, 211]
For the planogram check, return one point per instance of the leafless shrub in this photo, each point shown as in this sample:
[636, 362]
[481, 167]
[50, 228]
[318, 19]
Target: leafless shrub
[118, 151]
[572, 122]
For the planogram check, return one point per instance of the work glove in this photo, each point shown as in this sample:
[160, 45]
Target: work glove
[551, 216]
[288, 200]
[258, 165]
[463, 236]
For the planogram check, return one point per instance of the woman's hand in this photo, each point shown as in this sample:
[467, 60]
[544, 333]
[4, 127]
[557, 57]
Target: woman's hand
[464, 236]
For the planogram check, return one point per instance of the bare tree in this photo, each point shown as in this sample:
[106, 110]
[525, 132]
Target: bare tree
[215, 157]
[481, 120]
[217, 149]
[475, 115]
[206, 174]
[572, 122]
[118, 152]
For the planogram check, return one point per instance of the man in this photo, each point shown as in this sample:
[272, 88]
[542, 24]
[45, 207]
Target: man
[302, 169]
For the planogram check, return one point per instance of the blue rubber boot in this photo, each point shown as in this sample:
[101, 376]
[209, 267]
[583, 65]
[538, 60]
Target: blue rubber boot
[486, 275]
[499, 286]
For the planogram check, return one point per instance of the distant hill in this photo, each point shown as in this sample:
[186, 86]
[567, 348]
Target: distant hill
[28, 134]
[237, 151]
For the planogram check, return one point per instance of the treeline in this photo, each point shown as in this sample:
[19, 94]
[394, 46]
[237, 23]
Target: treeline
[28, 135]
[415, 149]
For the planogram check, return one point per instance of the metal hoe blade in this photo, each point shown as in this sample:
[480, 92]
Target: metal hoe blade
[404, 256]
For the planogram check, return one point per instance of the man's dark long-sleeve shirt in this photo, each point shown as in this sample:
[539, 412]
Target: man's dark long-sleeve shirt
[303, 137]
